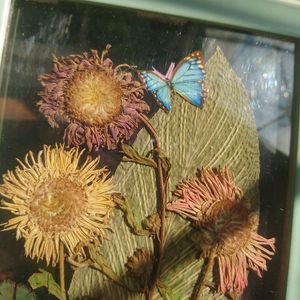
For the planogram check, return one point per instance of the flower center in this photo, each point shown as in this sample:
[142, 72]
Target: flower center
[231, 227]
[93, 97]
[56, 204]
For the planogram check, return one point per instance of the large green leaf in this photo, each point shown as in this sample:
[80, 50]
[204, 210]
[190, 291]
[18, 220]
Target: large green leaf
[222, 133]
[9, 290]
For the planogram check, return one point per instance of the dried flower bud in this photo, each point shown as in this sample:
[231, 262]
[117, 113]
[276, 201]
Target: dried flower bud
[152, 224]
[139, 265]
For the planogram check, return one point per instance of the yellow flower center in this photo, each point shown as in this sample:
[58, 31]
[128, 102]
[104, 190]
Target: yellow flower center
[93, 97]
[56, 204]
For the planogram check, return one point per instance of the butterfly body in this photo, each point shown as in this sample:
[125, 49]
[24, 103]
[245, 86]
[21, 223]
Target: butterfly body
[185, 80]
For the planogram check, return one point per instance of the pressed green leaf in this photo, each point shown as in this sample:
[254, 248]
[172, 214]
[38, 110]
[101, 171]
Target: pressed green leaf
[131, 155]
[131, 218]
[103, 265]
[9, 290]
[45, 279]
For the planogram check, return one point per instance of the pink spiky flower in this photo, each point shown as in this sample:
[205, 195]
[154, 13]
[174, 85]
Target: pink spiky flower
[219, 210]
[100, 104]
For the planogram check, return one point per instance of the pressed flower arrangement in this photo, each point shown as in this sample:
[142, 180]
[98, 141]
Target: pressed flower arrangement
[126, 229]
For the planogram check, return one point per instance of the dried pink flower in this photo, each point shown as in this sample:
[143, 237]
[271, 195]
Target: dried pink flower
[100, 104]
[219, 210]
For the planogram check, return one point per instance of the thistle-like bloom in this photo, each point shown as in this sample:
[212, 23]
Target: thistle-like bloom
[100, 104]
[56, 199]
[219, 210]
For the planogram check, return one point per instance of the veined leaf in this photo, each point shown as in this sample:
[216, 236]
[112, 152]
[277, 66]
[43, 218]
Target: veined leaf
[222, 133]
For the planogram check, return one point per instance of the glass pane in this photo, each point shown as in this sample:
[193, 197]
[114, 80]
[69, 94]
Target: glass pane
[209, 141]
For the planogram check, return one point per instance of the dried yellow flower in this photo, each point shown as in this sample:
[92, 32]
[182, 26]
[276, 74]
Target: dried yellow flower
[57, 199]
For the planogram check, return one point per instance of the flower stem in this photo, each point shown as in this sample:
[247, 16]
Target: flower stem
[62, 270]
[161, 203]
[207, 270]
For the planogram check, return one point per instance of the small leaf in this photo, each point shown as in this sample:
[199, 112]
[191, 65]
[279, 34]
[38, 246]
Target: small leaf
[166, 292]
[7, 290]
[102, 264]
[131, 155]
[166, 166]
[131, 219]
[45, 279]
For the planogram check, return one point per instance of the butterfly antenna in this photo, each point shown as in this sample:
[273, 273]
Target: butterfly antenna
[170, 71]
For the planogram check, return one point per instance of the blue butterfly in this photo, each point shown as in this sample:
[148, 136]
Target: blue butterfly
[186, 80]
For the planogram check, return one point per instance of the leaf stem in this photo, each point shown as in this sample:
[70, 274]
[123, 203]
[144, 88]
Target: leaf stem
[161, 203]
[62, 270]
[89, 263]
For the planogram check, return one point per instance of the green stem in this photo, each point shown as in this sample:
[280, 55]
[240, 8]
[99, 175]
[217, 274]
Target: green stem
[161, 203]
[62, 271]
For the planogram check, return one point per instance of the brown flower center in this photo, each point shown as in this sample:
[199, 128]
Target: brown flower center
[56, 204]
[229, 222]
[93, 97]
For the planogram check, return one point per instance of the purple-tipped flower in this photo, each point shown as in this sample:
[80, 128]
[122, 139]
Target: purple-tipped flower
[100, 104]
[218, 208]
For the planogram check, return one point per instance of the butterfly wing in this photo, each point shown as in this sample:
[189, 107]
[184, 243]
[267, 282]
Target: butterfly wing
[158, 87]
[190, 91]
[188, 79]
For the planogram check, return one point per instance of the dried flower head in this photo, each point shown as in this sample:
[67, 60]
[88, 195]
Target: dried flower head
[139, 265]
[100, 104]
[56, 199]
[218, 209]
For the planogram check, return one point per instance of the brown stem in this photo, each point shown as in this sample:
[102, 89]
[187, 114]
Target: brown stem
[62, 271]
[151, 130]
[207, 270]
[161, 193]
